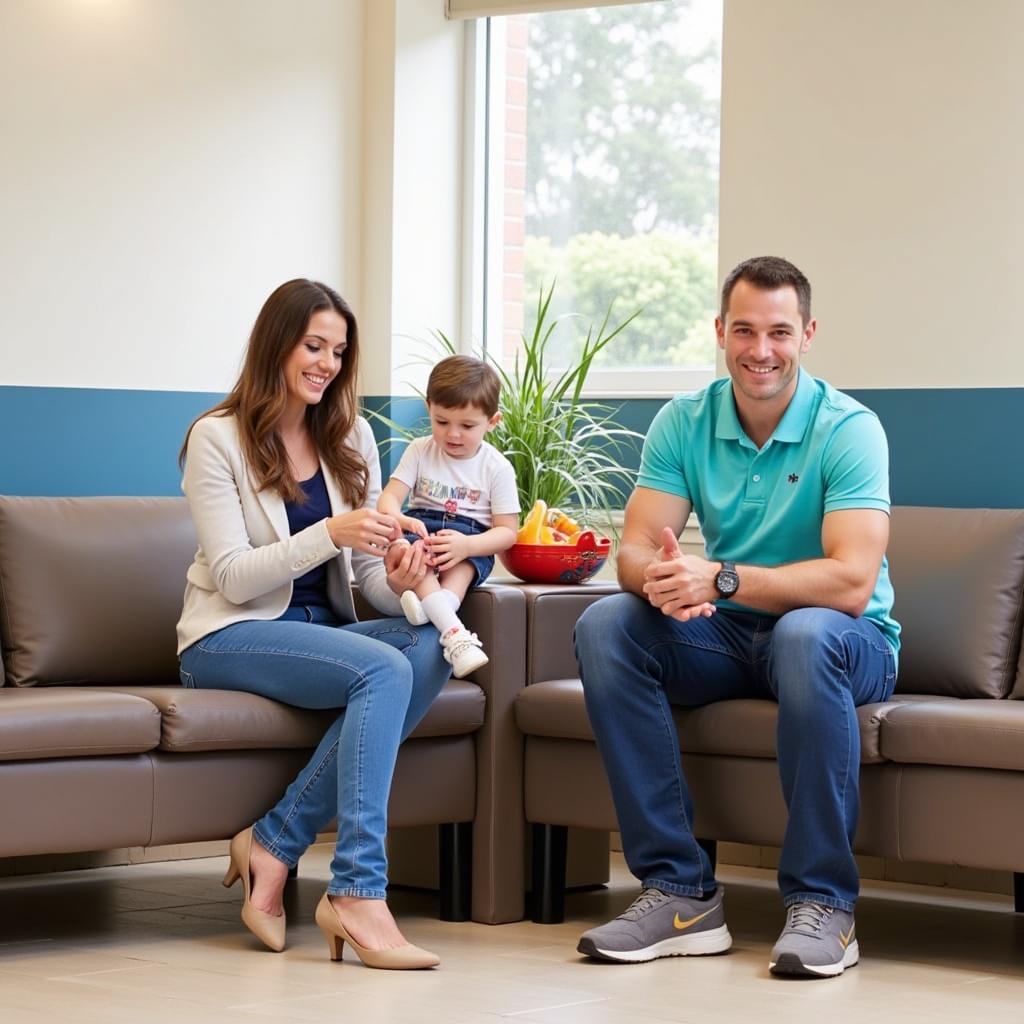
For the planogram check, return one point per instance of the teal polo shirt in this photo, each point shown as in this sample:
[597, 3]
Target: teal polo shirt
[765, 507]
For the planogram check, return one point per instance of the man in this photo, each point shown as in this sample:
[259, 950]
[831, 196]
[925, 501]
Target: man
[789, 479]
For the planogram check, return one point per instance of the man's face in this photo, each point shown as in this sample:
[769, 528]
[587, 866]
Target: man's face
[763, 337]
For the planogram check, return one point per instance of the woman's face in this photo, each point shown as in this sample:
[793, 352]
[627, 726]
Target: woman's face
[316, 360]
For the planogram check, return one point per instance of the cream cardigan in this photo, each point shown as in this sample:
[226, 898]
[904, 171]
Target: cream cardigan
[247, 559]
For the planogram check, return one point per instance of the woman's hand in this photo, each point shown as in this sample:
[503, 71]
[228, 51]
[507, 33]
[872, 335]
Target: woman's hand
[448, 548]
[413, 525]
[364, 529]
[406, 566]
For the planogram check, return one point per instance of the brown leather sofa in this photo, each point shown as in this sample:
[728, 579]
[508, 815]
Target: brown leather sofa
[102, 748]
[942, 764]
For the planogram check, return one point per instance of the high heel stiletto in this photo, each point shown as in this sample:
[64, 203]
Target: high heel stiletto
[268, 929]
[402, 958]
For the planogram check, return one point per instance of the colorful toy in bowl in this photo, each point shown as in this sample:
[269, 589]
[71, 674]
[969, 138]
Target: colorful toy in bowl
[553, 548]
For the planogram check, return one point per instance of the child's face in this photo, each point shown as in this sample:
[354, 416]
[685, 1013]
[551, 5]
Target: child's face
[458, 432]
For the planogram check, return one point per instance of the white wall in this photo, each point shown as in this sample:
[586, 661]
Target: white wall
[428, 185]
[166, 164]
[878, 145]
[413, 191]
[378, 195]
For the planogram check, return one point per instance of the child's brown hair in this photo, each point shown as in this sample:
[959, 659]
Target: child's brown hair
[459, 381]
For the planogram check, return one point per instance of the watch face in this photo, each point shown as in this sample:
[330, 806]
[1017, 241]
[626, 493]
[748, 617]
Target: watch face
[727, 582]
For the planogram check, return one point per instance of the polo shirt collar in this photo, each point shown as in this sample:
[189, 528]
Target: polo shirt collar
[792, 426]
[797, 416]
[727, 426]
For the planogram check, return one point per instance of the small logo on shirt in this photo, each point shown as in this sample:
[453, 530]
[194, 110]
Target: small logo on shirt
[793, 478]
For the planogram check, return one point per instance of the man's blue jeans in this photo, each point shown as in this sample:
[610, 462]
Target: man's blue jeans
[384, 673]
[818, 664]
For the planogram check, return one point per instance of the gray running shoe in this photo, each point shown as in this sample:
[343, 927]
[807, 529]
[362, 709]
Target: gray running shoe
[660, 924]
[817, 941]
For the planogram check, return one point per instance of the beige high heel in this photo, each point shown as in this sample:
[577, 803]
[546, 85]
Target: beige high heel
[403, 958]
[268, 929]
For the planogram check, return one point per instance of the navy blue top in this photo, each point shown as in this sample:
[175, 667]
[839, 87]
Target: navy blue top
[311, 587]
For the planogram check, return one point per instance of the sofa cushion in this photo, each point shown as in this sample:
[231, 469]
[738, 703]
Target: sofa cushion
[958, 577]
[965, 733]
[747, 728]
[203, 720]
[737, 728]
[91, 588]
[67, 722]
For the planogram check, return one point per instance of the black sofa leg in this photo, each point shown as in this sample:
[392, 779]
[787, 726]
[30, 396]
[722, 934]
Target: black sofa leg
[455, 867]
[549, 850]
[1018, 892]
[710, 847]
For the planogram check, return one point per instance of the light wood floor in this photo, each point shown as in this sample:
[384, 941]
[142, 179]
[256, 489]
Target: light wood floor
[162, 942]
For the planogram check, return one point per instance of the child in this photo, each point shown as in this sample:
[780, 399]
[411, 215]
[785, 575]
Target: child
[463, 505]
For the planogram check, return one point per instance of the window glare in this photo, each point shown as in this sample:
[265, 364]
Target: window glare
[604, 141]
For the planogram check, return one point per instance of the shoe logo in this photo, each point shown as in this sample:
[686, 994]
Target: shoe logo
[845, 937]
[681, 926]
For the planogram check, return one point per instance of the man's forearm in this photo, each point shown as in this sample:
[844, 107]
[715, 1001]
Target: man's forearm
[688, 581]
[819, 583]
[630, 563]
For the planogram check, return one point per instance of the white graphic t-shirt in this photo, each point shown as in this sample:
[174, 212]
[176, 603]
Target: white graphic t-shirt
[481, 487]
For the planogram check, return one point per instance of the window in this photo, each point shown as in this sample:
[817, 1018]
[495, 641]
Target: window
[601, 163]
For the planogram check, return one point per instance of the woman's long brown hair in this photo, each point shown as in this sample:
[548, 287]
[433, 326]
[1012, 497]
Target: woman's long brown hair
[258, 398]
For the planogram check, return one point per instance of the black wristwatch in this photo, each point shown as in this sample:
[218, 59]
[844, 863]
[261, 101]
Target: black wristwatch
[727, 581]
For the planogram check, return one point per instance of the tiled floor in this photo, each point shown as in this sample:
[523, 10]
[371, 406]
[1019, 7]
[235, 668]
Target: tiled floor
[162, 942]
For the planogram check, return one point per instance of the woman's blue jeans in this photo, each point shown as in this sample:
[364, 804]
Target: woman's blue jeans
[384, 673]
[818, 664]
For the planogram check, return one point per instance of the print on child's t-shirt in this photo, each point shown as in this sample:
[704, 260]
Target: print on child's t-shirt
[442, 492]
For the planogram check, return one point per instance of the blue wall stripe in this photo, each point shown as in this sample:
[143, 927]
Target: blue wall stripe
[949, 446]
[952, 447]
[409, 413]
[85, 441]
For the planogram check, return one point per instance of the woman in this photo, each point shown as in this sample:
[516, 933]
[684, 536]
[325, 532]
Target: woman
[282, 480]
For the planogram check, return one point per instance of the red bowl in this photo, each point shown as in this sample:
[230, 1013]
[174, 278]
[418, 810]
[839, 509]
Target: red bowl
[557, 563]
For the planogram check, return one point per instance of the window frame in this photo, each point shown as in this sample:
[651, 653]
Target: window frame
[484, 164]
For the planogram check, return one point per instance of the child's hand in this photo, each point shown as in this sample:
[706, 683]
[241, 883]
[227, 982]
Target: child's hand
[447, 549]
[413, 525]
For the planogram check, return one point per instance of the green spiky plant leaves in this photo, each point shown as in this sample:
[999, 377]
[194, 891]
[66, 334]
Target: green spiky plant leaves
[567, 450]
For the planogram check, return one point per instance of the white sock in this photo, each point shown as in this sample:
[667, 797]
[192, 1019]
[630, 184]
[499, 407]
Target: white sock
[453, 599]
[440, 612]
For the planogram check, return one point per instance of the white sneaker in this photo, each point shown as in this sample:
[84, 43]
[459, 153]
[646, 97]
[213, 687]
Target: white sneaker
[463, 651]
[413, 609]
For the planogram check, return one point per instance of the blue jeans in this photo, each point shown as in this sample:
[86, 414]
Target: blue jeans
[384, 674]
[818, 664]
[435, 520]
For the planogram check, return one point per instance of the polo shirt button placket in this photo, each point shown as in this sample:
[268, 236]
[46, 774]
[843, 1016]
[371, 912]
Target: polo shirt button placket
[755, 487]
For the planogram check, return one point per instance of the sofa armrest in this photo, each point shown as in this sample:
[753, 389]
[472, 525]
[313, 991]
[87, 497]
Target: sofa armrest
[551, 614]
[497, 614]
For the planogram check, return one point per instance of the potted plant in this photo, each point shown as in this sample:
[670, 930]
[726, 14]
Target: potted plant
[567, 450]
